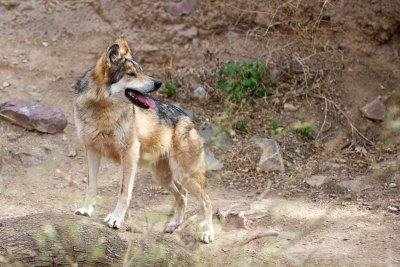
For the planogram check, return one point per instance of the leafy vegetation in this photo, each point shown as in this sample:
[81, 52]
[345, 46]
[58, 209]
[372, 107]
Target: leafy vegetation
[304, 128]
[170, 89]
[242, 81]
[274, 126]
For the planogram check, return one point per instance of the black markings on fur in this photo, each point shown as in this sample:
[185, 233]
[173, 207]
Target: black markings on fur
[117, 75]
[82, 82]
[168, 113]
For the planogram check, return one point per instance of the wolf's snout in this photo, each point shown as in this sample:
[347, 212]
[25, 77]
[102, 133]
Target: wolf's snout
[157, 84]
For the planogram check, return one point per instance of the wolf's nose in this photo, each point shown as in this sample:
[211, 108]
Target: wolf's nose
[157, 84]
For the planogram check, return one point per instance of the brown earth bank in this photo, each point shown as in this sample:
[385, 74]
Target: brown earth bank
[330, 58]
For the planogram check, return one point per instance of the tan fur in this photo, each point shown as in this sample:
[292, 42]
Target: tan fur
[108, 127]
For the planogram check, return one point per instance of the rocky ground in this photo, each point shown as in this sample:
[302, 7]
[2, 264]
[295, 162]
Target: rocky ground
[337, 202]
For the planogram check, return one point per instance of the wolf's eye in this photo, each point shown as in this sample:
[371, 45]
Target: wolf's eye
[131, 74]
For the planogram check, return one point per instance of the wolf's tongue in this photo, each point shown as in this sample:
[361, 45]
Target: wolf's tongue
[150, 102]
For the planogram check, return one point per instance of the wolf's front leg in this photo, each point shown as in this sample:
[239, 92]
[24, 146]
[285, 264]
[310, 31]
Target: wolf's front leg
[129, 163]
[93, 157]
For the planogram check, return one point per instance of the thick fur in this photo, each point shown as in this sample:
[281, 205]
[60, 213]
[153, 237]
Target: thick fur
[163, 139]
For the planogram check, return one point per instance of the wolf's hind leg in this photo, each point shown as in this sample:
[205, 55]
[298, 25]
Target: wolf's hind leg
[180, 195]
[163, 175]
[196, 186]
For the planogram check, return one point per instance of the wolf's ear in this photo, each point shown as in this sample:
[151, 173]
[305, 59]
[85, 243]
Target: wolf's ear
[113, 54]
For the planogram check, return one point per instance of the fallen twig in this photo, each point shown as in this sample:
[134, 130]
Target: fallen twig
[186, 223]
[251, 238]
[353, 128]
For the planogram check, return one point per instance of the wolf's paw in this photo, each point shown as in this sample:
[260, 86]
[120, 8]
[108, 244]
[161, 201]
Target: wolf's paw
[171, 227]
[113, 221]
[84, 211]
[207, 237]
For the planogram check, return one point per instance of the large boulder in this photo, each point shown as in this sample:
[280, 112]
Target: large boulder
[34, 115]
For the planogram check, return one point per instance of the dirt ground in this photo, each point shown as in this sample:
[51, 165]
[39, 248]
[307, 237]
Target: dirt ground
[349, 52]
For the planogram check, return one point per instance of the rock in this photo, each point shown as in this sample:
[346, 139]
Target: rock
[332, 166]
[212, 164]
[182, 8]
[34, 115]
[6, 84]
[355, 185]
[271, 158]
[13, 136]
[393, 208]
[289, 107]
[187, 111]
[392, 185]
[45, 44]
[374, 110]
[316, 180]
[199, 92]
[214, 135]
[72, 153]
[263, 20]
[189, 33]
[26, 159]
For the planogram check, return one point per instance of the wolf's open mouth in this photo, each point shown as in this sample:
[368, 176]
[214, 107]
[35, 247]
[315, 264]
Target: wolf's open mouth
[139, 99]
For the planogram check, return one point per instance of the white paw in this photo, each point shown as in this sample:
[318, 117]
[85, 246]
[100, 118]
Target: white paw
[113, 221]
[171, 227]
[207, 236]
[84, 211]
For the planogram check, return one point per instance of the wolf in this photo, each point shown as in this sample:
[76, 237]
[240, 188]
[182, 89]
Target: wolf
[150, 133]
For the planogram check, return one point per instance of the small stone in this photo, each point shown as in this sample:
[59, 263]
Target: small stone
[13, 136]
[189, 33]
[182, 8]
[276, 101]
[45, 44]
[6, 84]
[393, 208]
[34, 115]
[289, 107]
[262, 19]
[392, 185]
[212, 164]
[271, 158]
[24, 61]
[72, 153]
[374, 110]
[199, 92]
[26, 159]
[316, 180]
[355, 185]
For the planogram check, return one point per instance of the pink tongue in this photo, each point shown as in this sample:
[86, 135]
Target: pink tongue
[150, 102]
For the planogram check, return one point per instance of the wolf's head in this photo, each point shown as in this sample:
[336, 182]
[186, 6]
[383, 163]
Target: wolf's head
[121, 72]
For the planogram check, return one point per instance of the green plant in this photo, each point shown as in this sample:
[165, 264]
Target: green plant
[304, 128]
[241, 81]
[170, 89]
[274, 126]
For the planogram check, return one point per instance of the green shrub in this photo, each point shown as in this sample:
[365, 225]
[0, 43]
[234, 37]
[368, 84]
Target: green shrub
[243, 81]
[170, 89]
[304, 128]
[274, 126]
